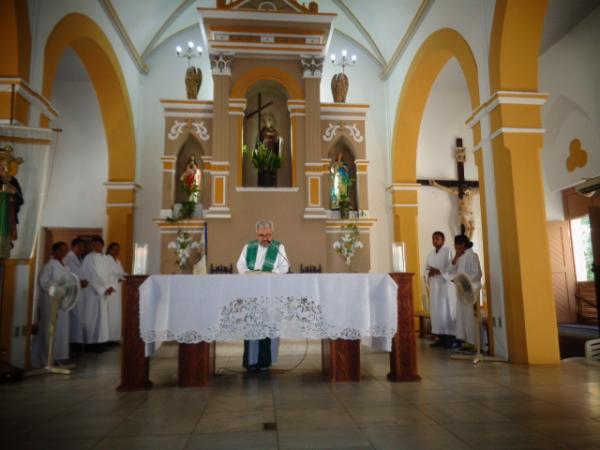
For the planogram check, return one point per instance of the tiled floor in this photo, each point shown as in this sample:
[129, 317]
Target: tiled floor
[455, 406]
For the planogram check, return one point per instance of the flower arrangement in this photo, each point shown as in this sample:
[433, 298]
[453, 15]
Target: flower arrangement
[348, 243]
[183, 246]
[263, 158]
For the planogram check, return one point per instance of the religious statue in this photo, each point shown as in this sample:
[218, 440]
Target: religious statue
[340, 183]
[269, 136]
[465, 209]
[193, 80]
[191, 178]
[11, 199]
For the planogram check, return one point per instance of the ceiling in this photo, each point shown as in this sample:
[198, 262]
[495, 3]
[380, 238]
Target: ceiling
[381, 27]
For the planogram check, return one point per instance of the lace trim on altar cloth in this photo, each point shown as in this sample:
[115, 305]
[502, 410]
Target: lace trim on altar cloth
[261, 317]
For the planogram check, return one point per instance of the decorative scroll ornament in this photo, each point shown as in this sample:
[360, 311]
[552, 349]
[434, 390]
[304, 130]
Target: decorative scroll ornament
[330, 132]
[312, 66]
[220, 63]
[352, 130]
[198, 128]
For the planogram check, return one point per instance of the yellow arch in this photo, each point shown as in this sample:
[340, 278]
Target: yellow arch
[428, 62]
[83, 35]
[430, 59]
[515, 45]
[95, 51]
[246, 81]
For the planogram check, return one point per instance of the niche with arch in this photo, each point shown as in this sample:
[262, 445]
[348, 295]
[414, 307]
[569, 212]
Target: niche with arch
[191, 147]
[341, 154]
[272, 98]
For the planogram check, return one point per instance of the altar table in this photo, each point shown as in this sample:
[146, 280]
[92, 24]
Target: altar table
[196, 311]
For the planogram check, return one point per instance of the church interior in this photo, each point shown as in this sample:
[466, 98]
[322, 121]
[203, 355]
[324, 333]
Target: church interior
[335, 139]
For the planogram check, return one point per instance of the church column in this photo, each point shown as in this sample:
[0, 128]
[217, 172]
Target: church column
[516, 140]
[237, 106]
[297, 109]
[220, 165]
[405, 206]
[313, 166]
[120, 205]
[362, 166]
[168, 182]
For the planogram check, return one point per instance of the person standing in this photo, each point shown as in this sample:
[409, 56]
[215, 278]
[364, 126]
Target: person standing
[51, 273]
[116, 274]
[442, 303]
[465, 261]
[263, 255]
[95, 306]
[74, 263]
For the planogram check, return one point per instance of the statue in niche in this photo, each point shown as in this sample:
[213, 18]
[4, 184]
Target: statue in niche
[269, 136]
[340, 184]
[11, 199]
[191, 178]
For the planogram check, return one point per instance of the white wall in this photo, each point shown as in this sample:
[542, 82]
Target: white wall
[76, 193]
[570, 73]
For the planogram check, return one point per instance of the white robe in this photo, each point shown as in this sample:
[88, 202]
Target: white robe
[95, 305]
[280, 266]
[52, 271]
[75, 265]
[442, 302]
[114, 300]
[469, 264]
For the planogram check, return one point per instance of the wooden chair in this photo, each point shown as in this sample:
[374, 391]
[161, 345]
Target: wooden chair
[310, 269]
[221, 268]
[585, 297]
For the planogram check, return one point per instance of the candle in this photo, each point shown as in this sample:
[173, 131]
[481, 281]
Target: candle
[399, 257]
[140, 259]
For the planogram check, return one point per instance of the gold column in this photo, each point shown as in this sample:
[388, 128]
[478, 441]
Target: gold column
[120, 206]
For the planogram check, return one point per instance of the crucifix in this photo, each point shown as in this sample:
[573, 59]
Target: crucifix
[258, 111]
[464, 189]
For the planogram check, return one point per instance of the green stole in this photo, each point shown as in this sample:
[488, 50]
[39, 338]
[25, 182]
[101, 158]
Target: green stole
[270, 257]
[5, 228]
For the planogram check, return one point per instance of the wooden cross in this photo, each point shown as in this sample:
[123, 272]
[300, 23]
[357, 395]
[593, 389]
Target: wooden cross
[461, 184]
[258, 111]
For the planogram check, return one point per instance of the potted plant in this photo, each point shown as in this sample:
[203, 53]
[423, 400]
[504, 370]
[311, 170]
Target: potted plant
[266, 162]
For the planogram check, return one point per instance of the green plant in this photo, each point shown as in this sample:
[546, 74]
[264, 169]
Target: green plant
[263, 158]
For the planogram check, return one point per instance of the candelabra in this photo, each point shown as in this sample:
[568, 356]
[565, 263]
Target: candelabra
[339, 82]
[193, 75]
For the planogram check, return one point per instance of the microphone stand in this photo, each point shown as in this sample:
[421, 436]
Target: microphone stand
[284, 257]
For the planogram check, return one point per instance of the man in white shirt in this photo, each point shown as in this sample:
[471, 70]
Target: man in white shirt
[442, 303]
[263, 255]
[95, 306]
[74, 262]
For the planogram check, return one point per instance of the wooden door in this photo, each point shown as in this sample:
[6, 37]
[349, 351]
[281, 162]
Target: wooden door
[595, 226]
[52, 235]
[563, 271]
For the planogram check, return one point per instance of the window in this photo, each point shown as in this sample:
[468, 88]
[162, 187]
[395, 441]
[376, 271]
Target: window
[582, 248]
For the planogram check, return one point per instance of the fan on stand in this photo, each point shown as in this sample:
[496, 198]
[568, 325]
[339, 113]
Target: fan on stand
[63, 295]
[466, 294]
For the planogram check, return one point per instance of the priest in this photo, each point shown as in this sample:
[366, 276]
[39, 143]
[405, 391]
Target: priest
[263, 255]
[95, 307]
[74, 262]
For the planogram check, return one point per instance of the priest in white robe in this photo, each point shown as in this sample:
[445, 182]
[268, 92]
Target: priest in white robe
[96, 268]
[51, 273]
[74, 262]
[442, 302]
[263, 255]
[466, 261]
[116, 275]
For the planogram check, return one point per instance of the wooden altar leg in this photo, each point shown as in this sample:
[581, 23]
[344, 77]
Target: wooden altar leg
[196, 364]
[403, 358]
[134, 364]
[340, 360]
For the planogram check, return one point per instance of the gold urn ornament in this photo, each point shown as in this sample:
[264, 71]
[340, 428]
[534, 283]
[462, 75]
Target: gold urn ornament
[339, 87]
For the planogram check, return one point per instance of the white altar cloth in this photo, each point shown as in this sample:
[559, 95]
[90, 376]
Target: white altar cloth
[196, 308]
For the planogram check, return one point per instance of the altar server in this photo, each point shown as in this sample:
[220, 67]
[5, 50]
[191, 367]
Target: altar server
[442, 302]
[465, 261]
[74, 262]
[51, 273]
[96, 268]
[262, 255]
[116, 274]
